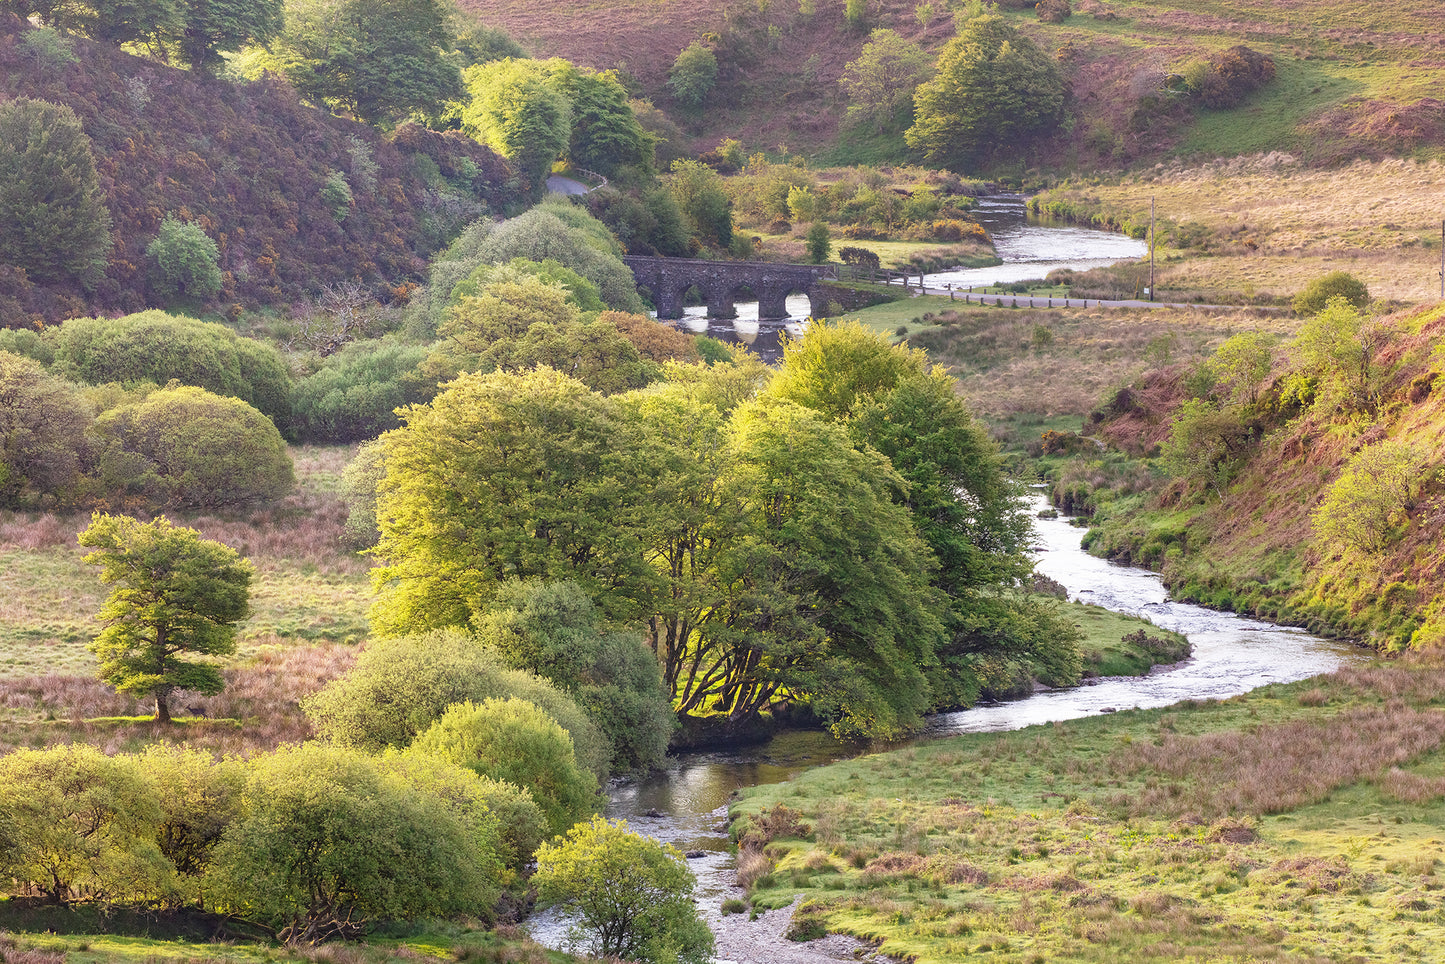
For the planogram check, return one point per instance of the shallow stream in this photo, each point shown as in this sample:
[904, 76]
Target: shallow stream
[686, 805]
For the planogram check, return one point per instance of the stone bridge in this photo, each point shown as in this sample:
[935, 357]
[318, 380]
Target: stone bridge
[721, 282]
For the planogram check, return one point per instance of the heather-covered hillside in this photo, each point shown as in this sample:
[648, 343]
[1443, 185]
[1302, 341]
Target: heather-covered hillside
[251, 165]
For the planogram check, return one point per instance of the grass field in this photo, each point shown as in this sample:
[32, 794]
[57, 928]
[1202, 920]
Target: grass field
[1297, 823]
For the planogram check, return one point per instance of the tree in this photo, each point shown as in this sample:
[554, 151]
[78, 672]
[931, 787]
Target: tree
[185, 262]
[692, 75]
[703, 201]
[81, 821]
[1241, 363]
[327, 843]
[504, 476]
[819, 243]
[1205, 444]
[184, 446]
[517, 111]
[554, 630]
[380, 60]
[631, 894]
[176, 595]
[211, 28]
[606, 135]
[53, 218]
[993, 89]
[44, 422]
[401, 685]
[1377, 486]
[884, 76]
[1337, 284]
[1337, 348]
[199, 797]
[515, 742]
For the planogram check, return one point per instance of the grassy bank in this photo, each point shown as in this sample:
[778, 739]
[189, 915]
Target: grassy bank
[1296, 823]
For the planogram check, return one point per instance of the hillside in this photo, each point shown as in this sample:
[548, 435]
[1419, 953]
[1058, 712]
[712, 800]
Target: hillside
[1256, 525]
[1351, 81]
[247, 163]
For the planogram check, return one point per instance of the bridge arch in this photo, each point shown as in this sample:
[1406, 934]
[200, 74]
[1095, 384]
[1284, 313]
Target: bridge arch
[720, 282]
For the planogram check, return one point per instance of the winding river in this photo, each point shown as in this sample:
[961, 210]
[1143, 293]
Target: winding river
[686, 805]
[1029, 249]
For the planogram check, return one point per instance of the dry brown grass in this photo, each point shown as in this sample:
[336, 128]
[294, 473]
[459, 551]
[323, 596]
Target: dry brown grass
[1284, 225]
[1272, 769]
[257, 711]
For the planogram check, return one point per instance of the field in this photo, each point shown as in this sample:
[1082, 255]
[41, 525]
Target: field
[1296, 823]
[1273, 225]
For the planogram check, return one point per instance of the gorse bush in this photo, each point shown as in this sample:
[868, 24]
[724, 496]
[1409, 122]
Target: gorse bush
[187, 447]
[515, 742]
[153, 346]
[44, 445]
[401, 685]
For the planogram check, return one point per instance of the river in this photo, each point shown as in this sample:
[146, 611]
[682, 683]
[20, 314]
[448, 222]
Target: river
[686, 805]
[1028, 247]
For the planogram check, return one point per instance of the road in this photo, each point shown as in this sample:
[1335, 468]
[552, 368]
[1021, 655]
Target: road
[565, 185]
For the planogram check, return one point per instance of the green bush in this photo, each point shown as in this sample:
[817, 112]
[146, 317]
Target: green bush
[82, 823]
[199, 796]
[152, 346]
[554, 630]
[1337, 284]
[336, 195]
[327, 845]
[184, 263]
[44, 422]
[633, 895]
[693, 75]
[401, 685]
[184, 446]
[355, 393]
[358, 489]
[54, 223]
[515, 741]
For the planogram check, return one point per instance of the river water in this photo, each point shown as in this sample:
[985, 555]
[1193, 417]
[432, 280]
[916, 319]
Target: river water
[686, 805]
[1028, 248]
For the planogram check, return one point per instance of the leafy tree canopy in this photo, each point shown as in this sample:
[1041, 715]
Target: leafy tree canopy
[43, 442]
[516, 109]
[633, 895]
[693, 75]
[175, 595]
[882, 80]
[994, 89]
[53, 218]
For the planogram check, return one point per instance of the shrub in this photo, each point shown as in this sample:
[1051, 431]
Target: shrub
[358, 489]
[1053, 11]
[356, 392]
[633, 895]
[152, 346]
[401, 685]
[82, 822]
[859, 257]
[54, 223]
[1229, 77]
[1337, 284]
[692, 75]
[325, 845]
[185, 263]
[516, 742]
[554, 630]
[43, 426]
[336, 195]
[184, 446]
[199, 797]
[819, 243]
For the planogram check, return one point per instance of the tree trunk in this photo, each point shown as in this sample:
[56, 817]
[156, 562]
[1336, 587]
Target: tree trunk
[163, 705]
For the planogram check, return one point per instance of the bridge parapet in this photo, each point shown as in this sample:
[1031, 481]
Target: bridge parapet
[720, 282]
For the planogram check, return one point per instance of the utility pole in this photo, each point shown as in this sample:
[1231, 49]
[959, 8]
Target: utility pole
[1151, 247]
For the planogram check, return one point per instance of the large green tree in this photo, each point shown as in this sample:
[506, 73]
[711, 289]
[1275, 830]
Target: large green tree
[994, 90]
[176, 595]
[210, 28]
[518, 111]
[53, 218]
[380, 60]
[882, 80]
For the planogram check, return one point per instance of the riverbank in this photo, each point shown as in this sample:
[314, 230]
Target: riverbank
[1294, 823]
